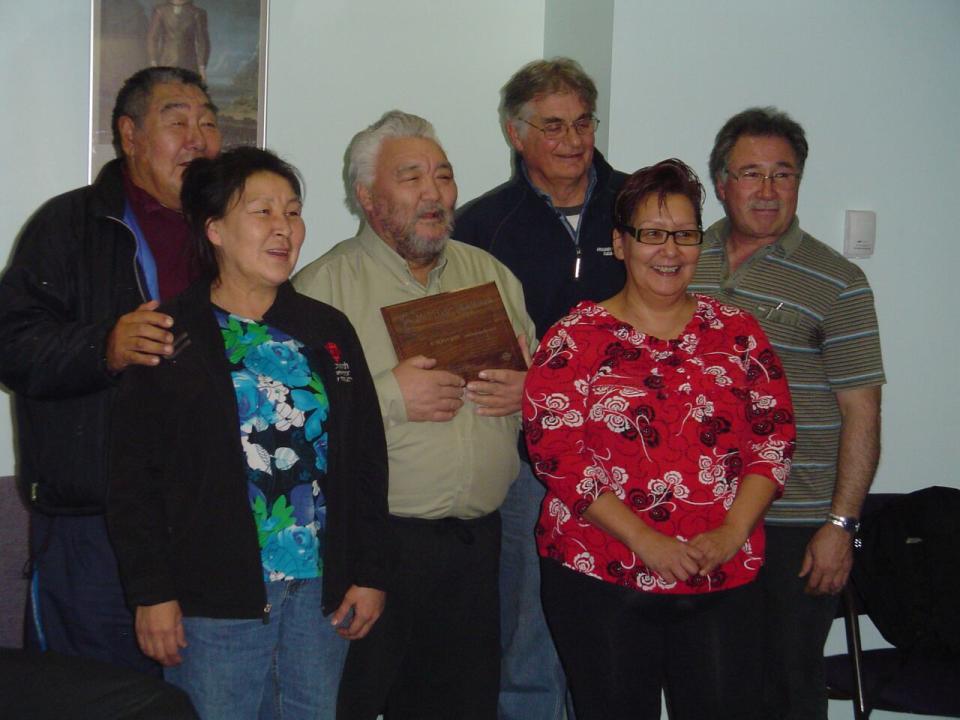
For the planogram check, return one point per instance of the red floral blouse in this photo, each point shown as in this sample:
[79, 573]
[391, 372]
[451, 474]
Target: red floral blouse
[670, 427]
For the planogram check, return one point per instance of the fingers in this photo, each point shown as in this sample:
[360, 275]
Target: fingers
[160, 633]
[140, 337]
[827, 561]
[717, 546]
[421, 362]
[429, 395]
[675, 561]
[359, 627]
[367, 605]
[497, 393]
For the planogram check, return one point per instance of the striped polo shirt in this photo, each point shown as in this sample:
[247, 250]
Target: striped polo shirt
[817, 309]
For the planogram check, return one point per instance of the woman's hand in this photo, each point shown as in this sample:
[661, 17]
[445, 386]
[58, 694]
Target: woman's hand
[720, 544]
[367, 604]
[717, 546]
[160, 632]
[671, 559]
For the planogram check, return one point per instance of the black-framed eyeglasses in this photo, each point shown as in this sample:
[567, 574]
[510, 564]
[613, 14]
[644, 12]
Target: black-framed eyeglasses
[658, 236]
[782, 179]
[557, 129]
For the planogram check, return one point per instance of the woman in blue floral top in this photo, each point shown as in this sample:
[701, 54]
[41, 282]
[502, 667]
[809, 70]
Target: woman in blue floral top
[248, 483]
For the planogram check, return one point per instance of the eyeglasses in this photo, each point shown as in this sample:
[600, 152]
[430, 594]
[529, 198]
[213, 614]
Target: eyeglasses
[754, 179]
[557, 129]
[656, 236]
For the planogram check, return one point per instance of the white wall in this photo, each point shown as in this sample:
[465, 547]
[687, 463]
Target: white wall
[334, 68]
[44, 73]
[567, 24]
[876, 85]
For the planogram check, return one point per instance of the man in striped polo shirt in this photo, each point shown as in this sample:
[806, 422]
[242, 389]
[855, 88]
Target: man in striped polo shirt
[817, 309]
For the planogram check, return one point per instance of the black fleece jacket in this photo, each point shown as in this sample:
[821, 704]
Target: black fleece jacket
[72, 275]
[178, 510]
[515, 225]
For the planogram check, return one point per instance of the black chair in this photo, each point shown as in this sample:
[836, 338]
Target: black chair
[921, 673]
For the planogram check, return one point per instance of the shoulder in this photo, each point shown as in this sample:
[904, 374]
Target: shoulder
[476, 220]
[317, 311]
[490, 200]
[582, 334]
[477, 264]
[608, 178]
[729, 317]
[345, 253]
[64, 208]
[585, 318]
[817, 256]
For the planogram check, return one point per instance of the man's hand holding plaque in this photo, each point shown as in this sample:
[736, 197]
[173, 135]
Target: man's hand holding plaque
[498, 392]
[468, 335]
[429, 395]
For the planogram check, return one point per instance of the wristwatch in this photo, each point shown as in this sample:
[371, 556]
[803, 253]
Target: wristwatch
[850, 524]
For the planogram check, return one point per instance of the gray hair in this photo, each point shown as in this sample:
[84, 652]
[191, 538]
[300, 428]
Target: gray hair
[360, 160]
[133, 100]
[756, 122]
[545, 77]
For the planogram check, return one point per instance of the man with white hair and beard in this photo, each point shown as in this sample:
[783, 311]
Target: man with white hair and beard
[435, 651]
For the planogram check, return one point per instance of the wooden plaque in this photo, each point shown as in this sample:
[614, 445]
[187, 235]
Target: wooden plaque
[466, 331]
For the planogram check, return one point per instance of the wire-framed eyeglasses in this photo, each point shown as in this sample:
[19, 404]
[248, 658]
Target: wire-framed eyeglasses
[781, 179]
[557, 129]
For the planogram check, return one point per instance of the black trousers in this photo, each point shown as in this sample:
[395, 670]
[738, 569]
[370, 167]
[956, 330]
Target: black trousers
[796, 628]
[435, 652]
[621, 647]
[77, 606]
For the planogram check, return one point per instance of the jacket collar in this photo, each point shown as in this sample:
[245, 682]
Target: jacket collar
[600, 166]
[108, 198]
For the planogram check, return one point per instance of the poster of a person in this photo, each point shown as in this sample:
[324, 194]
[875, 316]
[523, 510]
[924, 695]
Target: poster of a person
[224, 41]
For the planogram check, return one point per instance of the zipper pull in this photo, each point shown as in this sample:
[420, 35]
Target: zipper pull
[266, 614]
[576, 265]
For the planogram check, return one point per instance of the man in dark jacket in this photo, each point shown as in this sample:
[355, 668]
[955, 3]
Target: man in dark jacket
[78, 306]
[551, 224]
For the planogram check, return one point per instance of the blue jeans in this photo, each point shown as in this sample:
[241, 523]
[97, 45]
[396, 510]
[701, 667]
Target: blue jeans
[532, 682]
[288, 667]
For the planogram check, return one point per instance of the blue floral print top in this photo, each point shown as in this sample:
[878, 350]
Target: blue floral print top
[283, 409]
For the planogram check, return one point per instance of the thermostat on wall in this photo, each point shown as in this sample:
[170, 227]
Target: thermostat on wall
[859, 233]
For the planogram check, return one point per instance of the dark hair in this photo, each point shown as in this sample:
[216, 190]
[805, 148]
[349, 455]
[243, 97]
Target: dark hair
[210, 187]
[756, 122]
[134, 96]
[667, 177]
[545, 77]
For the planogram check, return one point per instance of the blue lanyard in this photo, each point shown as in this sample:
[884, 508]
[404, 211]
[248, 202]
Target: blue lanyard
[148, 266]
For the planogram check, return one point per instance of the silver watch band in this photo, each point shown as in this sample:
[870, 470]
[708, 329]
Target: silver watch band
[850, 524]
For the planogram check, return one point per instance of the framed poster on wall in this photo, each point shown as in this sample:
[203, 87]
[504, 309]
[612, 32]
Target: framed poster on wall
[223, 40]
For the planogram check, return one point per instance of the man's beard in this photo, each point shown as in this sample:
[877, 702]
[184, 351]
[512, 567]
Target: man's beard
[412, 245]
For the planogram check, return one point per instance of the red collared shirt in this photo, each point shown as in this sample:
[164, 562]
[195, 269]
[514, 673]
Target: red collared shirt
[168, 236]
[669, 427]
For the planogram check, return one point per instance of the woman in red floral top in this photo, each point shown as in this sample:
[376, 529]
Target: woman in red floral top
[662, 426]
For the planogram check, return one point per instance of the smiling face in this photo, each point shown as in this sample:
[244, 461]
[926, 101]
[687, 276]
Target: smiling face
[660, 272]
[178, 126]
[258, 241]
[554, 163]
[764, 213]
[410, 202]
